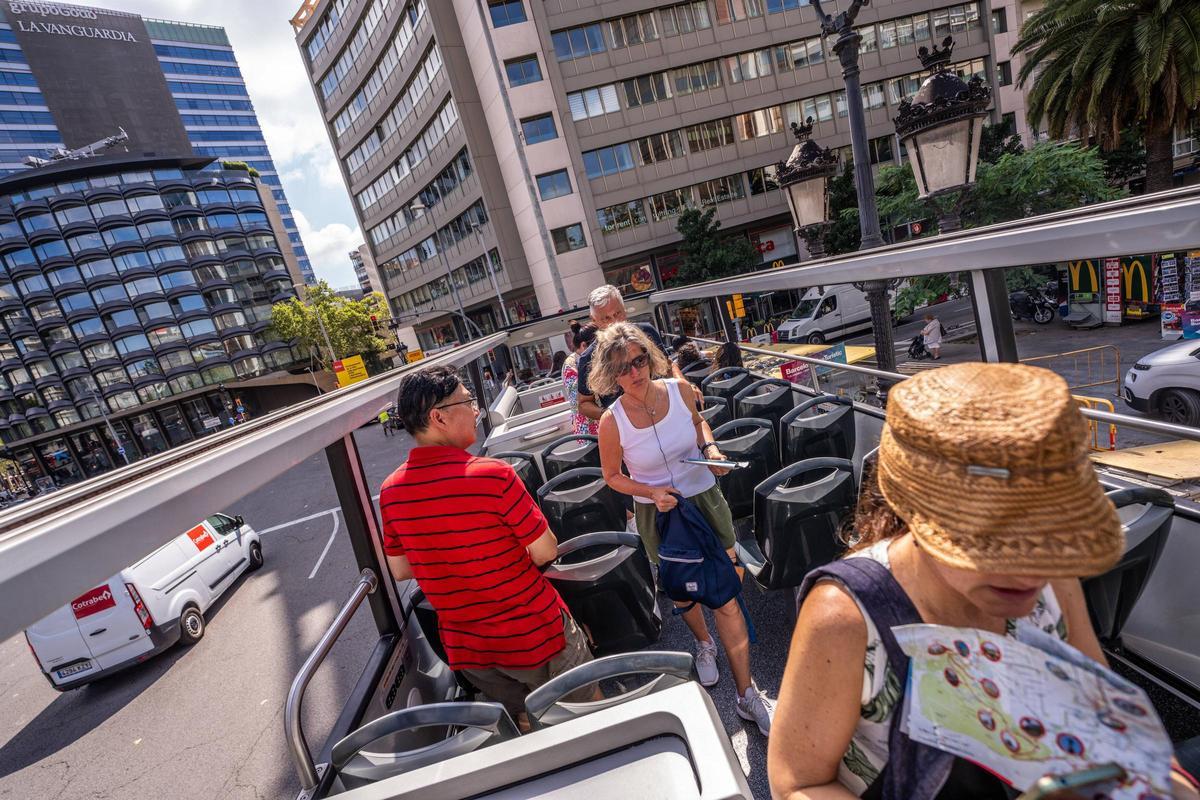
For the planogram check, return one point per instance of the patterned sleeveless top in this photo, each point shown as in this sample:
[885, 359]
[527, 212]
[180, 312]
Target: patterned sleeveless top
[882, 690]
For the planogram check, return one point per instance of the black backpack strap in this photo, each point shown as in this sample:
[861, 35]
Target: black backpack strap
[914, 771]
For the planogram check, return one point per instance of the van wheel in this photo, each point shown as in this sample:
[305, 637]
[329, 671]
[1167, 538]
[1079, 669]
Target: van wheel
[191, 626]
[816, 338]
[1180, 406]
[256, 556]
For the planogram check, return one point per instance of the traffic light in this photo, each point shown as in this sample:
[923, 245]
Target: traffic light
[736, 307]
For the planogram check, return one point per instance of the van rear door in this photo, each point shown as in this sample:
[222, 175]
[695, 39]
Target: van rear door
[95, 631]
[110, 625]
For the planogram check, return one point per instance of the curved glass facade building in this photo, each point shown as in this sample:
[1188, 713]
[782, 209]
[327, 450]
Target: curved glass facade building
[132, 290]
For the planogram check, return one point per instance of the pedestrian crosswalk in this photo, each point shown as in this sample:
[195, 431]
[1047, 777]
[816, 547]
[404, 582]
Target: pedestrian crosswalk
[913, 367]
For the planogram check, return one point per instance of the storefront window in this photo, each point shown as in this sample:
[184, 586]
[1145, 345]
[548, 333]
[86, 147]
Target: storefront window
[125, 441]
[173, 425]
[148, 433]
[524, 310]
[631, 278]
[200, 417]
[91, 453]
[59, 461]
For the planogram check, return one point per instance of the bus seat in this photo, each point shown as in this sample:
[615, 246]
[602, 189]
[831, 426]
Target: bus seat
[726, 383]
[569, 452]
[715, 411]
[545, 705]
[797, 528]
[579, 501]
[610, 590]
[1111, 596]
[750, 440]
[427, 620]
[526, 467]
[818, 434]
[769, 398]
[475, 725]
[697, 371]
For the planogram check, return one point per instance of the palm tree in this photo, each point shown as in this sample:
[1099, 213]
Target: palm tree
[1098, 66]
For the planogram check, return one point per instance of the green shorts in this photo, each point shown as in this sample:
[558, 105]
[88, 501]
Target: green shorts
[710, 501]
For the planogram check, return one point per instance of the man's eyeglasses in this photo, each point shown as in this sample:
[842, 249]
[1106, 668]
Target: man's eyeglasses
[474, 404]
[634, 363]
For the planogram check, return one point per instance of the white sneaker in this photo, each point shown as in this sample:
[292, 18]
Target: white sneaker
[706, 663]
[755, 707]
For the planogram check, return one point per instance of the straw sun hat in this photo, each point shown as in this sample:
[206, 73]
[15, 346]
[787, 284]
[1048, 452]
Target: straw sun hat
[988, 465]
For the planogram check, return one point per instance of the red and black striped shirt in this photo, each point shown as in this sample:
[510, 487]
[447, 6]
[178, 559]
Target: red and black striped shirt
[464, 522]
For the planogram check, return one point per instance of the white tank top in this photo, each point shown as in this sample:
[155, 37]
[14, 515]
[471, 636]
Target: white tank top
[676, 435]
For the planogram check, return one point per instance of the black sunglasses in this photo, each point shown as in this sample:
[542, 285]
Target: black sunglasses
[634, 363]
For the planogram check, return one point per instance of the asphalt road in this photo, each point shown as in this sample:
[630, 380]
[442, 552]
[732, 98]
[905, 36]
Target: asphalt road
[206, 721]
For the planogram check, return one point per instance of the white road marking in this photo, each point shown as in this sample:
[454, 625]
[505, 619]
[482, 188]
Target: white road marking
[309, 518]
[337, 524]
[137, 742]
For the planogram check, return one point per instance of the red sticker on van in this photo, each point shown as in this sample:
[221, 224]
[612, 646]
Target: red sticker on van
[200, 537]
[92, 602]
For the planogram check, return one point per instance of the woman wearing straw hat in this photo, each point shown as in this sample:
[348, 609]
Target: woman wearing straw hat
[1019, 518]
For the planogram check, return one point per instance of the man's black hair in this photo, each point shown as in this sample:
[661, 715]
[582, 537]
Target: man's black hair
[679, 341]
[421, 391]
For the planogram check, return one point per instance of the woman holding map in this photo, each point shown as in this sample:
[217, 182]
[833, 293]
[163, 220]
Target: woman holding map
[983, 512]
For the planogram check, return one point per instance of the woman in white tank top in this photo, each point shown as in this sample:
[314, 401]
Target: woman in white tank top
[652, 427]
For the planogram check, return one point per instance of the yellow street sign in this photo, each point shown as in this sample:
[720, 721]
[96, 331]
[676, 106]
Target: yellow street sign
[415, 355]
[350, 370]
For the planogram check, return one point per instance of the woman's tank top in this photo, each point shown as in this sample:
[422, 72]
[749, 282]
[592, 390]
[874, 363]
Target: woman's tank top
[654, 455]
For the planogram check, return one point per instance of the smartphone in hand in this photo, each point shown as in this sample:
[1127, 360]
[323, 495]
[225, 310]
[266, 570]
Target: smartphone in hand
[1080, 785]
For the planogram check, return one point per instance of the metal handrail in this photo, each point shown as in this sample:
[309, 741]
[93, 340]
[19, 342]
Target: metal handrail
[1137, 423]
[310, 773]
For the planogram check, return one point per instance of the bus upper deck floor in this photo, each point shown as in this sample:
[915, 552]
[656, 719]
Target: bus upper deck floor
[55, 547]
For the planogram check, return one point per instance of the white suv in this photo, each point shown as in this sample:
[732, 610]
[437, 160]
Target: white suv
[1166, 383]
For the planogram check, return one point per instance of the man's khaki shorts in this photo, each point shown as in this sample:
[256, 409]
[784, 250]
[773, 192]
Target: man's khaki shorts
[511, 686]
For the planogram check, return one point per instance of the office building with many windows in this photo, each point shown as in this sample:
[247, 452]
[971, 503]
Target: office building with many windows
[511, 155]
[212, 107]
[135, 301]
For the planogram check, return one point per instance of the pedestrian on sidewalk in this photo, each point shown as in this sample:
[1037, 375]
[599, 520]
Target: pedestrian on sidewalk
[932, 335]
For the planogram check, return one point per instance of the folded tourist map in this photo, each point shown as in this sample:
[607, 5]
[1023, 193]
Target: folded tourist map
[1028, 707]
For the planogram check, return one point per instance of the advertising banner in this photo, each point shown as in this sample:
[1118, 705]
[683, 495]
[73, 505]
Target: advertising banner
[350, 370]
[1112, 291]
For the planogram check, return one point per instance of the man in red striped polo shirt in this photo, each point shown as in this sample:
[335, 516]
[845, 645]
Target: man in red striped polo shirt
[467, 530]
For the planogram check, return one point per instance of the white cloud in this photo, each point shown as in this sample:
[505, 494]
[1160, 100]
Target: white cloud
[276, 77]
[328, 249]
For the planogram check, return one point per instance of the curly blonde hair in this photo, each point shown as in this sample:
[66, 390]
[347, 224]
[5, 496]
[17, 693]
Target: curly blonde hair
[609, 356]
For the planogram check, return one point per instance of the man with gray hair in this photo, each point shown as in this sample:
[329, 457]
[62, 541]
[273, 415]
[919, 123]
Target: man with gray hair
[606, 306]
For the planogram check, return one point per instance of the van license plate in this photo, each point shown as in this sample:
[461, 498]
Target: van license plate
[74, 669]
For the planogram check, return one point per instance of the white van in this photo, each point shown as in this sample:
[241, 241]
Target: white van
[146, 608]
[825, 313]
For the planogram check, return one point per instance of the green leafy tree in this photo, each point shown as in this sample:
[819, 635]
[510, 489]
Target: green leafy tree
[709, 254]
[1049, 176]
[1098, 67]
[347, 321]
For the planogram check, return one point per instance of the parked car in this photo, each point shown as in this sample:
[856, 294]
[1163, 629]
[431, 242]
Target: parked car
[1166, 383]
[146, 608]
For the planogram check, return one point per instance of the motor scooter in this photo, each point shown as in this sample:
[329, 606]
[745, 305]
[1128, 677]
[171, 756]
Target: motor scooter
[1032, 304]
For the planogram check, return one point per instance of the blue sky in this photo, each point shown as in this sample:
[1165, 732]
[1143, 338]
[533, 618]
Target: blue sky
[266, 50]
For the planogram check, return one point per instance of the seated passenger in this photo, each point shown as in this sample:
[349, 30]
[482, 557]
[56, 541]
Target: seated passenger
[985, 511]
[651, 426]
[473, 538]
[728, 355]
[687, 354]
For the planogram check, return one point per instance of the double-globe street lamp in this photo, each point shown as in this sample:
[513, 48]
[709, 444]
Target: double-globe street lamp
[940, 126]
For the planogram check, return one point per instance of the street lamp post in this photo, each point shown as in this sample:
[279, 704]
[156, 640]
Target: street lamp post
[111, 430]
[804, 178]
[941, 127]
[877, 291]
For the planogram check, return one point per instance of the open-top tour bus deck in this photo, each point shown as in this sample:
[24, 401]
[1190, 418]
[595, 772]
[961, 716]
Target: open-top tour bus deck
[406, 730]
